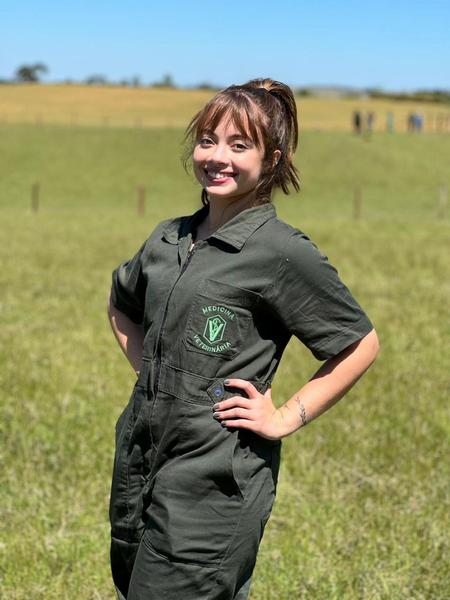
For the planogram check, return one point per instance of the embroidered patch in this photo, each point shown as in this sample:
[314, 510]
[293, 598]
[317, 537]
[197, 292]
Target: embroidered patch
[216, 328]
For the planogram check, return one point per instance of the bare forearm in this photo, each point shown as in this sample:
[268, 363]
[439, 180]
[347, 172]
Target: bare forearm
[329, 384]
[129, 335]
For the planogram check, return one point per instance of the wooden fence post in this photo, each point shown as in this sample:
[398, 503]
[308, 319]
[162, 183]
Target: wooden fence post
[141, 200]
[357, 203]
[35, 188]
[442, 202]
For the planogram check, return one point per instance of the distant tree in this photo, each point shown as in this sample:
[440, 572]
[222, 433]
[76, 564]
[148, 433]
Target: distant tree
[30, 73]
[96, 80]
[166, 81]
[303, 91]
[135, 81]
[375, 92]
[205, 85]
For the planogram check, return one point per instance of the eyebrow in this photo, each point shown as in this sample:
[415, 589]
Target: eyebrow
[242, 136]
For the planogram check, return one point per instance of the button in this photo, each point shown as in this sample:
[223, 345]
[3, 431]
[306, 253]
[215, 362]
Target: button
[216, 391]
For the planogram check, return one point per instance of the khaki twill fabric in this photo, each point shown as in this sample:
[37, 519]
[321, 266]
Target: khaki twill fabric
[190, 498]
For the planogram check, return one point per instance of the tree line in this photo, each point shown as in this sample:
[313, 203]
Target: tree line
[32, 73]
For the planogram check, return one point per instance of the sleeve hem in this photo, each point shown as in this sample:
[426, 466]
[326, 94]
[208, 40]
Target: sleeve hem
[343, 339]
[132, 315]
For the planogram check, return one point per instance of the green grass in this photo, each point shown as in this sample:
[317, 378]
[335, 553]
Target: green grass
[363, 499]
[399, 175]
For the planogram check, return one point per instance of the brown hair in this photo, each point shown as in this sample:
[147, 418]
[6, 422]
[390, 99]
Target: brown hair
[268, 107]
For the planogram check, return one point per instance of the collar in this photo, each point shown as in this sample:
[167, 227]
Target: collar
[234, 232]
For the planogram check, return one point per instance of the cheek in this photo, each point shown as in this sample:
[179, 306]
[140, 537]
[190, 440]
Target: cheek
[254, 166]
[256, 170]
[196, 167]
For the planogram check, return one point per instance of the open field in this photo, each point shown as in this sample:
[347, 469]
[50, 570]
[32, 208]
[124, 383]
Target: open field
[363, 501]
[400, 176]
[153, 107]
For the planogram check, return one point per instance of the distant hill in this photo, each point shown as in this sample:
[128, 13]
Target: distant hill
[343, 91]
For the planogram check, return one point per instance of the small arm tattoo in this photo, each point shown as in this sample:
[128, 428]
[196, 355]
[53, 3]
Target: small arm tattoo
[304, 417]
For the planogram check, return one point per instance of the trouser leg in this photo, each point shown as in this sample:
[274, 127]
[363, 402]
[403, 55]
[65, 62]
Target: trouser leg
[123, 556]
[244, 590]
[126, 502]
[206, 519]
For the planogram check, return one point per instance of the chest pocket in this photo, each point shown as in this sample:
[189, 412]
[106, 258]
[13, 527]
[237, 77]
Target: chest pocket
[219, 319]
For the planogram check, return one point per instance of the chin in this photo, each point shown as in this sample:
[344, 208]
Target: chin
[213, 191]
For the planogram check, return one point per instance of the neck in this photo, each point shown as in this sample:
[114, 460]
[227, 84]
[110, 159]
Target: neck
[222, 210]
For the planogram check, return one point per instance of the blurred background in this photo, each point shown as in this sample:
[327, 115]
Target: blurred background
[94, 100]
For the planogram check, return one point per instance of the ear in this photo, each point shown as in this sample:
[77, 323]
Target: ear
[275, 158]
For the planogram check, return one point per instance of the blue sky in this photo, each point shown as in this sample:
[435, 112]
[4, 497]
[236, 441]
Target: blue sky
[396, 45]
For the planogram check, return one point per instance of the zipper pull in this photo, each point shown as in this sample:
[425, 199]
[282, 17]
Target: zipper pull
[188, 258]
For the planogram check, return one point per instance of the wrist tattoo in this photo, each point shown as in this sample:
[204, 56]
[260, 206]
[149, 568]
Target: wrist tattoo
[303, 416]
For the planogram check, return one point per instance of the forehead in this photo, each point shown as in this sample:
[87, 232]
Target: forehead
[227, 128]
[232, 120]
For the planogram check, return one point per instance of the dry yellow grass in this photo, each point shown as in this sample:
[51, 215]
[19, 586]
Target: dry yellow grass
[165, 107]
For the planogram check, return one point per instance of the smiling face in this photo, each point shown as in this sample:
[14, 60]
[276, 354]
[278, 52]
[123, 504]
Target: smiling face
[227, 163]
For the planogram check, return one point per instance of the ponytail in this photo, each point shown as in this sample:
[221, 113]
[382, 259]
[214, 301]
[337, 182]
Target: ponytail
[278, 104]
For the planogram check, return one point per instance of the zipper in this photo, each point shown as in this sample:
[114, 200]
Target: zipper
[163, 322]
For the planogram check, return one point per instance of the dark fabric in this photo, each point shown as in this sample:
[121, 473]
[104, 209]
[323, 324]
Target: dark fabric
[312, 302]
[190, 498]
[128, 288]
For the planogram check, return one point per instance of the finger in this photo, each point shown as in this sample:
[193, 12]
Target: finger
[233, 413]
[240, 423]
[248, 387]
[268, 393]
[234, 401]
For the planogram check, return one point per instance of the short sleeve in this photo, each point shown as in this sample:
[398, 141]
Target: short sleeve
[128, 287]
[313, 303]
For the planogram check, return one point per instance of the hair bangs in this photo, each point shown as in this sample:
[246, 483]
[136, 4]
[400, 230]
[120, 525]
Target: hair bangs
[232, 108]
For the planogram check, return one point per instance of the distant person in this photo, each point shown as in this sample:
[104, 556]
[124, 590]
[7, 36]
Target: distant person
[409, 123]
[419, 122]
[389, 122]
[203, 312]
[370, 120]
[412, 122]
[356, 120]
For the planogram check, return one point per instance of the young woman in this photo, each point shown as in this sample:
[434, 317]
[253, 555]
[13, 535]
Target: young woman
[203, 312]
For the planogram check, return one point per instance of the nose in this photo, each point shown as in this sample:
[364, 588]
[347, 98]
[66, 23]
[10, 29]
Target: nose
[218, 154]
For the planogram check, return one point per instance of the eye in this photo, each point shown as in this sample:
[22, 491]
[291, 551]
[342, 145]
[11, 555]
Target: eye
[240, 146]
[205, 141]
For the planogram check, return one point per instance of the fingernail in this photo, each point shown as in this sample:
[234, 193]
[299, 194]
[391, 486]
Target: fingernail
[226, 381]
[215, 407]
[215, 415]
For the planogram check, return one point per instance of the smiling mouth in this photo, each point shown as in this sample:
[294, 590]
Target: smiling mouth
[218, 176]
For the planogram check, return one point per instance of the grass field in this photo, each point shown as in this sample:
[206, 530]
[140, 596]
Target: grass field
[363, 501]
[166, 107]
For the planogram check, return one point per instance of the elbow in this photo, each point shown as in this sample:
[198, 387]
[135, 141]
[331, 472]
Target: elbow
[373, 346]
[109, 305]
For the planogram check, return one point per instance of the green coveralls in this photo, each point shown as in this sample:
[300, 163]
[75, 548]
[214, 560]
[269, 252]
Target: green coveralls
[190, 498]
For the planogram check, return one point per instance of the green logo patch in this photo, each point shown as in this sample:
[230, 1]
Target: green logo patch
[219, 324]
[214, 329]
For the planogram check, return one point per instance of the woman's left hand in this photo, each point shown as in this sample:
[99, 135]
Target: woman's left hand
[256, 412]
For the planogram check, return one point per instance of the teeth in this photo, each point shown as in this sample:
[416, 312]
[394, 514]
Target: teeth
[214, 175]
